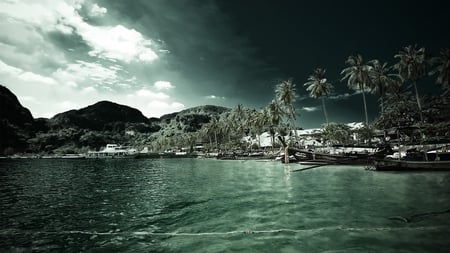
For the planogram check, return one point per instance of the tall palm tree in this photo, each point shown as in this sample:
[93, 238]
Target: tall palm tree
[411, 66]
[441, 66]
[213, 128]
[275, 114]
[239, 117]
[358, 77]
[382, 81]
[319, 87]
[286, 96]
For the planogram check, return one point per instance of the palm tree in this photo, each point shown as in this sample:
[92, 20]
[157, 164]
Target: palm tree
[260, 122]
[381, 80]
[213, 128]
[239, 117]
[358, 77]
[275, 114]
[319, 87]
[411, 66]
[286, 96]
[441, 66]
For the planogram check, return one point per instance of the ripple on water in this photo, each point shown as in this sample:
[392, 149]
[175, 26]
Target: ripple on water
[215, 206]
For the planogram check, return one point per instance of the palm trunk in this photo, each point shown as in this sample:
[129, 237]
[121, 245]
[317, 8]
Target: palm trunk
[382, 113]
[418, 102]
[365, 104]
[259, 141]
[325, 110]
[293, 125]
[272, 139]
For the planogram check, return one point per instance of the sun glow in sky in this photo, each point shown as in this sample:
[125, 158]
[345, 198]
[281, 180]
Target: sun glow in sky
[164, 56]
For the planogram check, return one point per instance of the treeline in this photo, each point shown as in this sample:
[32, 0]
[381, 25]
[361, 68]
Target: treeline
[402, 109]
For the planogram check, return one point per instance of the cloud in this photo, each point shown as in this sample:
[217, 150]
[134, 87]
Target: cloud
[75, 73]
[159, 108]
[97, 11]
[345, 95]
[310, 109]
[68, 105]
[116, 43]
[148, 94]
[107, 42]
[214, 97]
[26, 76]
[163, 85]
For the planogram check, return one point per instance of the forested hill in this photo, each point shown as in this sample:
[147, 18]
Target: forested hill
[90, 127]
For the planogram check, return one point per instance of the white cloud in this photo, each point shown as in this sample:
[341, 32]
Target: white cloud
[107, 42]
[97, 11]
[148, 94]
[309, 109]
[68, 105]
[28, 59]
[29, 100]
[75, 73]
[158, 108]
[116, 43]
[163, 85]
[89, 89]
[25, 75]
[341, 96]
[7, 69]
[32, 77]
[214, 97]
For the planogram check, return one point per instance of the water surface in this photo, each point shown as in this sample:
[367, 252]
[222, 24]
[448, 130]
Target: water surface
[194, 205]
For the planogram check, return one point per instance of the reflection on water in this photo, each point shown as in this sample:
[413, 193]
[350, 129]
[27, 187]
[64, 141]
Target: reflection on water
[192, 205]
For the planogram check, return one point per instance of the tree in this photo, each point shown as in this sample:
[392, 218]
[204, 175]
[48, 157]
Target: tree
[239, 117]
[337, 133]
[411, 66]
[319, 87]
[441, 66]
[275, 114]
[259, 122]
[357, 75]
[381, 80]
[286, 96]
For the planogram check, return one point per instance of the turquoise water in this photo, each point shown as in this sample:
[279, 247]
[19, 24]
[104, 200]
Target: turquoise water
[195, 205]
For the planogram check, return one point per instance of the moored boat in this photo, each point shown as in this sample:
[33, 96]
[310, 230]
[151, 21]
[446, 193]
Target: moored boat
[113, 151]
[404, 165]
[433, 159]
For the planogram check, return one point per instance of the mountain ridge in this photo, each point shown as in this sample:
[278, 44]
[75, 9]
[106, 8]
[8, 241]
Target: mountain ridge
[91, 126]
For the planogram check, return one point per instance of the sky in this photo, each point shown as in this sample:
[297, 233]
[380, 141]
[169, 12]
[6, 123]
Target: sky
[163, 56]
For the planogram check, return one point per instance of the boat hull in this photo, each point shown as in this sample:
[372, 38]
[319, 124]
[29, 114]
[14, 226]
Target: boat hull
[402, 165]
[343, 159]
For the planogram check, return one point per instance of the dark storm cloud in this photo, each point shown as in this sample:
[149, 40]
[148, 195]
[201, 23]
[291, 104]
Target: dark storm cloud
[205, 55]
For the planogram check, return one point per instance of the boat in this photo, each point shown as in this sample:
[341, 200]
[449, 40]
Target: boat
[433, 159]
[405, 165]
[343, 158]
[113, 151]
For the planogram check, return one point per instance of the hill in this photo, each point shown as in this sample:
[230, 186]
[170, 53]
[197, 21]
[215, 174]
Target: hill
[91, 127]
[16, 123]
[104, 115]
[189, 120]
